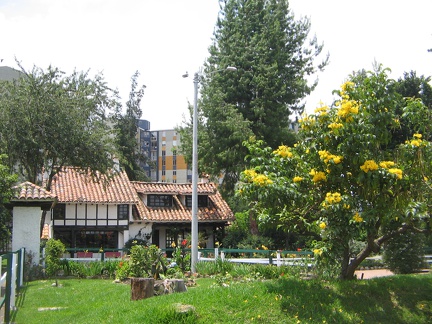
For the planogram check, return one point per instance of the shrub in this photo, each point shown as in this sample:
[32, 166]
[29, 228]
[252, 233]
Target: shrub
[54, 251]
[143, 262]
[181, 257]
[405, 253]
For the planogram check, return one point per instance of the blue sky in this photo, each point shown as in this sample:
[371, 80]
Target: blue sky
[163, 39]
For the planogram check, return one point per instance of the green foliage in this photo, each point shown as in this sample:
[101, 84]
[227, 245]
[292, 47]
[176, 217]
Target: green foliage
[135, 241]
[49, 119]
[182, 257]
[123, 270]
[219, 266]
[349, 176]
[126, 126]
[405, 254]
[54, 250]
[274, 58]
[143, 262]
[7, 179]
[255, 242]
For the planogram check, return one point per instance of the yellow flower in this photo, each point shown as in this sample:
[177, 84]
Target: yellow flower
[297, 179]
[322, 225]
[317, 176]
[326, 156]
[250, 174]
[173, 245]
[416, 142]
[317, 251]
[262, 180]
[369, 165]
[386, 164]
[323, 110]
[335, 125]
[357, 218]
[417, 135]
[425, 178]
[396, 171]
[348, 85]
[333, 197]
[337, 159]
[283, 151]
[348, 107]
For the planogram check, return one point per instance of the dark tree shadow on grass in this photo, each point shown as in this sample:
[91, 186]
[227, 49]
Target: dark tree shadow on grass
[396, 299]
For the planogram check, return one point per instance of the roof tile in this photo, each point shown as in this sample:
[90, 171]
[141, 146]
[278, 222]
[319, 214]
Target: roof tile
[217, 210]
[75, 185]
[30, 191]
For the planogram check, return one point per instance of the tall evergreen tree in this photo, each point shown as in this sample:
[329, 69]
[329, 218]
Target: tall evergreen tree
[126, 125]
[274, 59]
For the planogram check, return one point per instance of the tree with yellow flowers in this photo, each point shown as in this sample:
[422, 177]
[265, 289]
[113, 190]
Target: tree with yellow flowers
[349, 178]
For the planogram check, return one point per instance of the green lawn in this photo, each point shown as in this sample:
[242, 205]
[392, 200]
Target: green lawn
[396, 299]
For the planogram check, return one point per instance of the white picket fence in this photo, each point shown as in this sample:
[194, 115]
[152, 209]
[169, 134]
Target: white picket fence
[11, 280]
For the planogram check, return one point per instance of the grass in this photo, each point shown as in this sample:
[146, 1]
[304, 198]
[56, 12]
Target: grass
[395, 299]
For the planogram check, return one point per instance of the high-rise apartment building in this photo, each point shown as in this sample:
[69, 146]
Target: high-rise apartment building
[161, 147]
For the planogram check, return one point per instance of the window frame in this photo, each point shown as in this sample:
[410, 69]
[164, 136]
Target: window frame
[154, 200]
[203, 201]
[123, 211]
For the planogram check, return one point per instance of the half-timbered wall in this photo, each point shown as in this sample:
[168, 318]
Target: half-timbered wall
[91, 215]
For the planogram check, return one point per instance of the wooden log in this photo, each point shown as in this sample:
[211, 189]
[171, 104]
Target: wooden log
[142, 288]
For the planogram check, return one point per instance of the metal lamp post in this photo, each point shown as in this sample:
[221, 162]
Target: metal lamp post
[194, 227]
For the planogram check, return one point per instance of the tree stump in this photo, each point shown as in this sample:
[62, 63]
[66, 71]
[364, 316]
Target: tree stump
[142, 288]
[169, 286]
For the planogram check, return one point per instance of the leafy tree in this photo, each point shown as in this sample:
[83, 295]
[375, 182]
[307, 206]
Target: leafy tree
[345, 179]
[126, 125]
[49, 120]
[274, 59]
[6, 182]
[414, 86]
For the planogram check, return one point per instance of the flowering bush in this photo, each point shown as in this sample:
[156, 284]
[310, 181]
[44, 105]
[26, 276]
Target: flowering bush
[349, 175]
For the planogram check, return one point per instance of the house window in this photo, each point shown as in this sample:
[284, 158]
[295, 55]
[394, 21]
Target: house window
[159, 200]
[202, 201]
[59, 211]
[123, 211]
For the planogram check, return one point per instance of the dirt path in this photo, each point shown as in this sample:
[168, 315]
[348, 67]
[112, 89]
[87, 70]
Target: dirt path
[369, 274]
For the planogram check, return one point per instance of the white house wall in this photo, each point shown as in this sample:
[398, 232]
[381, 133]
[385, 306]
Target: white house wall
[26, 230]
[136, 227]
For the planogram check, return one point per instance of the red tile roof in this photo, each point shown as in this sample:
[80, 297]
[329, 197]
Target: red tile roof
[217, 210]
[74, 185]
[31, 192]
[207, 188]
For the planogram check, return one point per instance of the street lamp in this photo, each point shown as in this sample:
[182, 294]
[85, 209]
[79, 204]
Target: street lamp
[194, 226]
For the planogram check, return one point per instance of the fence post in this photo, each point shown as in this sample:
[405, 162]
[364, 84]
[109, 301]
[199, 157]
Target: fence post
[13, 279]
[8, 288]
[270, 257]
[278, 259]
[216, 253]
[222, 255]
[20, 270]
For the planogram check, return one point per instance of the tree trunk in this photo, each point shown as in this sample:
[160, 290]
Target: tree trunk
[253, 223]
[142, 288]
